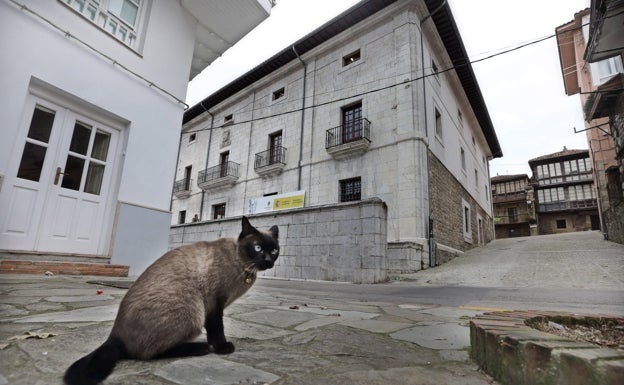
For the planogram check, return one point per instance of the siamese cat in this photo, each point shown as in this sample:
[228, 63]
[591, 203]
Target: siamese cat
[185, 290]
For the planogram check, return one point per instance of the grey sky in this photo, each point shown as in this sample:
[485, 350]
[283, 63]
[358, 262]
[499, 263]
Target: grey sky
[523, 89]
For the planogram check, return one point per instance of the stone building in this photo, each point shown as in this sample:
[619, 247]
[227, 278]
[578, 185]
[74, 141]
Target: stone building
[590, 53]
[379, 103]
[514, 206]
[565, 197]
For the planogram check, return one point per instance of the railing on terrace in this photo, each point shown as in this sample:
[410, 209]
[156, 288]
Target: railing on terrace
[223, 170]
[509, 197]
[182, 187]
[272, 156]
[347, 133]
[567, 205]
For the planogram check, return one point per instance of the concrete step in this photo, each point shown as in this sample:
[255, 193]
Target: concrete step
[56, 257]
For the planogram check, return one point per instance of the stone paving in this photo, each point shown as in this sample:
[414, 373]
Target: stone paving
[279, 338]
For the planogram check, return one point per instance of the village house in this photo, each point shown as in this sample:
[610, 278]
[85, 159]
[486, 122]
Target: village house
[93, 96]
[367, 141]
[590, 53]
[514, 206]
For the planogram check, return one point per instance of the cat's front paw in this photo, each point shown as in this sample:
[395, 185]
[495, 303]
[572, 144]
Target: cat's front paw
[225, 348]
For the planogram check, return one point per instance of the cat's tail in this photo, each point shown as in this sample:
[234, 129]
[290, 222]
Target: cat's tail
[96, 366]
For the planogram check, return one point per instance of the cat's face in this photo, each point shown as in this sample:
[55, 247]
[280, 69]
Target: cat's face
[261, 247]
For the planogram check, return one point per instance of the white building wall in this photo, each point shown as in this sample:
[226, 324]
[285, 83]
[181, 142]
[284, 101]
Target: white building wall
[34, 52]
[394, 168]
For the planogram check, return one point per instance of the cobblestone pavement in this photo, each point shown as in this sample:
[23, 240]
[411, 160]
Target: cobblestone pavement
[279, 338]
[581, 260]
[290, 334]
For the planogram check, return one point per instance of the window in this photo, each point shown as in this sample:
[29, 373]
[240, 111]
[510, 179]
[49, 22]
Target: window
[351, 190]
[352, 123]
[187, 177]
[351, 58]
[603, 70]
[512, 214]
[466, 223]
[434, 69]
[476, 180]
[561, 223]
[218, 211]
[275, 148]
[229, 119]
[192, 137]
[120, 18]
[463, 158]
[278, 94]
[438, 124]
[224, 158]
[182, 217]
[36, 145]
[460, 117]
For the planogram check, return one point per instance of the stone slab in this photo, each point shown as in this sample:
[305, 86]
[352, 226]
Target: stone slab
[443, 336]
[213, 370]
[90, 314]
[239, 329]
[376, 326]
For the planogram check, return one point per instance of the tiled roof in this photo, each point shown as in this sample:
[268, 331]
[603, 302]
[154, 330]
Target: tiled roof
[561, 154]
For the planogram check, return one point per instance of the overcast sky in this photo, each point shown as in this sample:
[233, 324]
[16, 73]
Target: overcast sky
[523, 89]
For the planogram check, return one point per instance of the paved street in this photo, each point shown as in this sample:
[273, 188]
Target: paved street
[409, 331]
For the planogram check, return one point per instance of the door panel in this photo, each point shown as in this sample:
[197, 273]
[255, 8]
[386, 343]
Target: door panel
[57, 194]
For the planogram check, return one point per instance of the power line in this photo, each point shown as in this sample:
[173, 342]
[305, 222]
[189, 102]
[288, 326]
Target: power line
[407, 81]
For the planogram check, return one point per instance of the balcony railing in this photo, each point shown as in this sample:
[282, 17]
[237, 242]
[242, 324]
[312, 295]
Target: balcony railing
[222, 175]
[567, 206]
[348, 139]
[271, 161]
[182, 188]
[510, 197]
[512, 219]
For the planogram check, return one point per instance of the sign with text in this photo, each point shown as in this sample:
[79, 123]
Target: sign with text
[291, 200]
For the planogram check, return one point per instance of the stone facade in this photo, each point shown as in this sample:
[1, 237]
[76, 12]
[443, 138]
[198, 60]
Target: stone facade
[411, 124]
[343, 242]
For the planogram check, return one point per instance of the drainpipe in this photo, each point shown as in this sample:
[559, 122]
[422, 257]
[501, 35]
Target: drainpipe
[203, 197]
[432, 257]
[175, 172]
[305, 74]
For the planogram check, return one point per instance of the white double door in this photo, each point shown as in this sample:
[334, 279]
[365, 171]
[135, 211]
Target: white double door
[56, 196]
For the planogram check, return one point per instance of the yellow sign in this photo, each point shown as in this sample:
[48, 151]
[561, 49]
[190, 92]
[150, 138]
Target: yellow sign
[289, 202]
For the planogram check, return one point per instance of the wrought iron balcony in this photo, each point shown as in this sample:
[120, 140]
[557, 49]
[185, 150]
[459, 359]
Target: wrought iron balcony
[221, 175]
[182, 188]
[271, 161]
[510, 197]
[348, 139]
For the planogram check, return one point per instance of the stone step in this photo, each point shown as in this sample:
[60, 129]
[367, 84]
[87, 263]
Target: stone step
[56, 257]
[9, 266]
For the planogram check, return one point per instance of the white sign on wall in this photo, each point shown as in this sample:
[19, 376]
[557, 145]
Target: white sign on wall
[277, 202]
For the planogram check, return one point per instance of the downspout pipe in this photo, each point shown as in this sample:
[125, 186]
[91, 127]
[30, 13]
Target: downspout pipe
[303, 97]
[432, 258]
[203, 198]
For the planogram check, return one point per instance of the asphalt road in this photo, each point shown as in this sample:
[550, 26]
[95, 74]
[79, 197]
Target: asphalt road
[576, 272]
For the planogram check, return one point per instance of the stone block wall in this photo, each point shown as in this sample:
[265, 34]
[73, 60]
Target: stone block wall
[447, 195]
[339, 242]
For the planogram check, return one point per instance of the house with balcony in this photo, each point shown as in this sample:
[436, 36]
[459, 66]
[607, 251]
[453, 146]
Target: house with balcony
[564, 192]
[514, 206]
[93, 95]
[378, 104]
[590, 53]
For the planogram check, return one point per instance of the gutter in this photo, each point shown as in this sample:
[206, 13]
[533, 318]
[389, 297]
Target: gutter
[303, 97]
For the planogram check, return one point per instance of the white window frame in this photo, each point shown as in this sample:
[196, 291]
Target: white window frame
[100, 14]
[467, 221]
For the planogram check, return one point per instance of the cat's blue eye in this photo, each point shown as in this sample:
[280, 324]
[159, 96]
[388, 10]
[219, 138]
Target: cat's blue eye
[258, 248]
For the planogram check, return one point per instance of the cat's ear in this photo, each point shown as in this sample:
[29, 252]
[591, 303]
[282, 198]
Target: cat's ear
[248, 229]
[274, 231]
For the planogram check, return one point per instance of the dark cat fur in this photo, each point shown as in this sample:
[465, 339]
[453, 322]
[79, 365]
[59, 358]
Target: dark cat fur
[182, 292]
